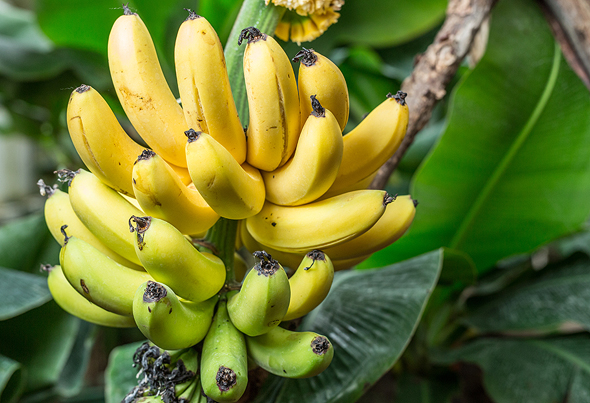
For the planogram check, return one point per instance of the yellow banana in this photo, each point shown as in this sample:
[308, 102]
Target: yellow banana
[320, 224]
[161, 194]
[314, 166]
[172, 259]
[204, 88]
[319, 76]
[142, 89]
[291, 354]
[103, 211]
[98, 278]
[273, 101]
[58, 212]
[391, 226]
[73, 303]
[372, 142]
[263, 300]
[224, 362]
[234, 191]
[310, 284]
[169, 322]
[105, 148]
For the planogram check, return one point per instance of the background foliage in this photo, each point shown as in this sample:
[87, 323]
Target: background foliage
[485, 299]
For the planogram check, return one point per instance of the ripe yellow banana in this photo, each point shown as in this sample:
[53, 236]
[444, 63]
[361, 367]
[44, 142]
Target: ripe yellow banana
[204, 88]
[58, 212]
[234, 191]
[73, 303]
[319, 76]
[224, 362]
[103, 211]
[314, 166]
[310, 284]
[320, 224]
[273, 101]
[391, 226]
[161, 194]
[169, 322]
[142, 89]
[98, 278]
[291, 354]
[105, 148]
[372, 142]
[263, 300]
[172, 259]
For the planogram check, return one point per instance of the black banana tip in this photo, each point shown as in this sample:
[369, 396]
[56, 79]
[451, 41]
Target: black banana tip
[144, 156]
[400, 97]
[307, 57]
[225, 378]
[192, 135]
[320, 345]
[251, 34]
[154, 292]
[317, 109]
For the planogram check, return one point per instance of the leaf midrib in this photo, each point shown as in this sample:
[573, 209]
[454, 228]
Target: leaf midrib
[476, 207]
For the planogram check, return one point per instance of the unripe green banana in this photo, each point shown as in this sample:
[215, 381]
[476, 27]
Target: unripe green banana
[98, 278]
[169, 322]
[73, 303]
[224, 361]
[263, 300]
[173, 260]
[310, 284]
[103, 211]
[291, 354]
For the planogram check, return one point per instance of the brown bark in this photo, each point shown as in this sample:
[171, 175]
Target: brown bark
[434, 69]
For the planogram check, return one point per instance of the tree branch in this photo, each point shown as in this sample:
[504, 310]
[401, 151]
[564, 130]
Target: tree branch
[434, 69]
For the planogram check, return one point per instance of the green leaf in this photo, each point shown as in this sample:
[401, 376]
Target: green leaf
[20, 292]
[413, 389]
[512, 171]
[11, 379]
[41, 340]
[551, 302]
[72, 376]
[530, 371]
[26, 52]
[27, 243]
[369, 316]
[120, 375]
[386, 23]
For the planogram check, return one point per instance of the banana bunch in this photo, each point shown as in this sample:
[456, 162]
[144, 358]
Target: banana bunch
[129, 226]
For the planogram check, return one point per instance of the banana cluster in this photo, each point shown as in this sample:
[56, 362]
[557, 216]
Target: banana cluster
[296, 185]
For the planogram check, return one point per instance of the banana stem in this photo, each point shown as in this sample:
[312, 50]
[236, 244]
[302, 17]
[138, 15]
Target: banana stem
[254, 13]
[223, 236]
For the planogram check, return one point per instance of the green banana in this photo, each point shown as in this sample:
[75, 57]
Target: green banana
[98, 278]
[224, 362]
[73, 303]
[168, 321]
[172, 259]
[291, 354]
[310, 284]
[263, 299]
